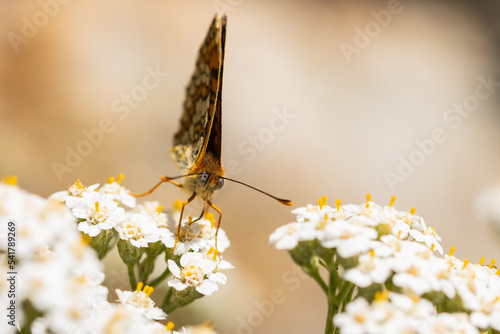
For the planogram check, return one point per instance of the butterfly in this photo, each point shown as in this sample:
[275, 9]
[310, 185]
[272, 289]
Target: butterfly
[198, 142]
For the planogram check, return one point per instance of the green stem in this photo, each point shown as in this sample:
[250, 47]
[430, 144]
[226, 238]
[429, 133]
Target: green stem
[181, 298]
[332, 309]
[167, 298]
[160, 278]
[345, 288]
[334, 300]
[146, 268]
[131, 276]
[335, 279]
[113, 241]
[314, 273]
[348, 297]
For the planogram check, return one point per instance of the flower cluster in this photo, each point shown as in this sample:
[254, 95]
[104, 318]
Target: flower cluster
[59, 244]
[146, 229]
[393, 262]
[61, 276]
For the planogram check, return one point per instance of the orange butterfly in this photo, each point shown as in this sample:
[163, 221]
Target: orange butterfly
[198, 143]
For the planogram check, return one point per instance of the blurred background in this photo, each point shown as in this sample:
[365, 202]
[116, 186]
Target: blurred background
[336, 98]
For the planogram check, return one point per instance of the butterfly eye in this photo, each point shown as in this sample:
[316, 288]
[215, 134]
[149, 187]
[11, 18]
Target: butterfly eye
[219, 184]
[202, 179]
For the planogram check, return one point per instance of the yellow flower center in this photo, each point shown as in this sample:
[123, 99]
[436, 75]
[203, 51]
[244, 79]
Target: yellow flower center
[413, 271]
[77, 189]
[133, 231]
[359, 317]
[99, 215]
[192, 275]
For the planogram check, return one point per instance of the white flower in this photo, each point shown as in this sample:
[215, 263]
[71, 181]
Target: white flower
[159, 219]
[400, 229]
[65, 285]
[121, 319]
[189, 238]
[139, 229]
[357, 317]
[428, 236]
[196, 236]
[362, 220]
[41, 281]
[62, 279]
[118, 192]
[193, 272]
[61, 274]
[488, 314]
[388, 246]
[205, 328]
[418, 310]
[473, 285]
[154, 210]
[389, 313]
[412, 270]
[140, 302]
[412, 220]
[39, 326]
[37, 222]
[391, 217]
[442, 274]
[379, 317]
[447, 323]
[348, 239]
[98, 212]
[370, 269]
[75, 190]
[289, 235]
[149, 207]
[369, 214]
[154, 327]
[217, 274]
[208, 229]
[313, 212]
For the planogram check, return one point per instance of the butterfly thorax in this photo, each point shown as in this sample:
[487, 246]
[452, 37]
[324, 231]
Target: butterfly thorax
[207, 177]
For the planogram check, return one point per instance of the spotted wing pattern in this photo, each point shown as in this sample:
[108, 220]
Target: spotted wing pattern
[215, 141]
[202, 102]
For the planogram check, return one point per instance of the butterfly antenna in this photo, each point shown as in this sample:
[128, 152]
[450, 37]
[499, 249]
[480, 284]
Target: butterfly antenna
[281, 200]
[163, 179]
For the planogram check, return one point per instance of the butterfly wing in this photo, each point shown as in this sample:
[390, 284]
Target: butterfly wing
[215, 139]
[202, 104]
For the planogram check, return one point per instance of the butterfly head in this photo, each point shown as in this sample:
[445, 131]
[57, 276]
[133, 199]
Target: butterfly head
[205, 177]
[207, 183]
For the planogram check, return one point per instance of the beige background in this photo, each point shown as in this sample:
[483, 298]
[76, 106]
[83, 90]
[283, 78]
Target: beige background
[353, 120]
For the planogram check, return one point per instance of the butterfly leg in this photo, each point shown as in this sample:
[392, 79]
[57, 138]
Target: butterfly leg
[163, 179]
[190, 199]
[218, 224]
